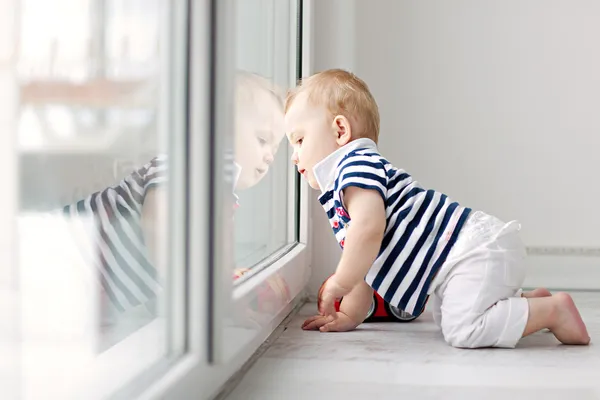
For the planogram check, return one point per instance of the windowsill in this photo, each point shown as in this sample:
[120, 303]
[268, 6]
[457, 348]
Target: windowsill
[244, 332]
[269, 267]
[267, 261]
[259, 253]
[258, 300]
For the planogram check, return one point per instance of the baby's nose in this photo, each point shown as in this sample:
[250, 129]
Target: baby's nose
[268, 158]
[294, 158]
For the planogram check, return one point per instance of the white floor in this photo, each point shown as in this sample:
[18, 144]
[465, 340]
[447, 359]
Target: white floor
[391, 361]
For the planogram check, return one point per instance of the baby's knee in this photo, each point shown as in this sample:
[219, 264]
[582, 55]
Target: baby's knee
[458, 338]
[464, 335]
[485, 330]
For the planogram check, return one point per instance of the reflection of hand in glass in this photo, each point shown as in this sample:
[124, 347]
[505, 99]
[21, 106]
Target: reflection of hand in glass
[258, 127]
[271, 296]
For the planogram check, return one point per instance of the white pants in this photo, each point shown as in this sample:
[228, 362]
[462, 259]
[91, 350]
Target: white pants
[476, 296]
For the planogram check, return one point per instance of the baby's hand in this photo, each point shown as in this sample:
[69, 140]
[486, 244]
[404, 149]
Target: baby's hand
[331, 292]
[342, 323]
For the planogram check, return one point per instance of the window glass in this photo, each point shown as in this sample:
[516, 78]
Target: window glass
[94, 84]
[263, 53]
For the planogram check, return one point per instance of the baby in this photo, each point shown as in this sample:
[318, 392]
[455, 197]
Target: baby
[408, 243]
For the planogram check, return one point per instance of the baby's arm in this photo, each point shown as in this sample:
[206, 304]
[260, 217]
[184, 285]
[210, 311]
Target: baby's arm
[363, 236]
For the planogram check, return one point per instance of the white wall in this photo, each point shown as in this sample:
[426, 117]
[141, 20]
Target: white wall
[494, 103]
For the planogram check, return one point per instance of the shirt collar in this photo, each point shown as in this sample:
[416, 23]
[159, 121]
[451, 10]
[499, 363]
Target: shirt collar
[237, 170]
[324, 171]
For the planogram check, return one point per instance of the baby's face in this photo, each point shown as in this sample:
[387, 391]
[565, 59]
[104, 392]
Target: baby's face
[311, 134]
[259, 130]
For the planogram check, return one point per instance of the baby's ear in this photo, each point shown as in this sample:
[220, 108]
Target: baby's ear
[342, 129]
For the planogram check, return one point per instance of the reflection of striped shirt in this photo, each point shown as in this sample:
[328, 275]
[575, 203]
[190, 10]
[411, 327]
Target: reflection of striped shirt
[421, 225]
[117, 249]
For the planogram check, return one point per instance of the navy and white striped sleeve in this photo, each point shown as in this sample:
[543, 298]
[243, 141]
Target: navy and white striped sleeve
[155, 172]
[363, 171]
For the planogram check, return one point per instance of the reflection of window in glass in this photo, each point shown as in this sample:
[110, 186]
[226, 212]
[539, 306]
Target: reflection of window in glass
[263, 50]
[88, 76]
[131, 38]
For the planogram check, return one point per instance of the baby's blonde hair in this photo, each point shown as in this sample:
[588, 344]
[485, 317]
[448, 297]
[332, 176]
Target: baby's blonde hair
[343, 93]
[250, 86]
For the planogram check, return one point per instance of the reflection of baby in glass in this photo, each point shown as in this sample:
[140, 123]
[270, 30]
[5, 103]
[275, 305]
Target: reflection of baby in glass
[129, 218]
[258, 128]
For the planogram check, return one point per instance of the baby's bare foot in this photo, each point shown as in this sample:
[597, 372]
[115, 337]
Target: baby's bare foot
[569, 328]
[539, 292]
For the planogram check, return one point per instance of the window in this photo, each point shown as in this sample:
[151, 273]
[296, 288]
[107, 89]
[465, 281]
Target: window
[99, 132]
[146, 162]
[263, 76]
[263, 53]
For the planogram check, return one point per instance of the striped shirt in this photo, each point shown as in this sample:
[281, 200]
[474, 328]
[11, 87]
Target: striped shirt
[421, 225]
[115, 245]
